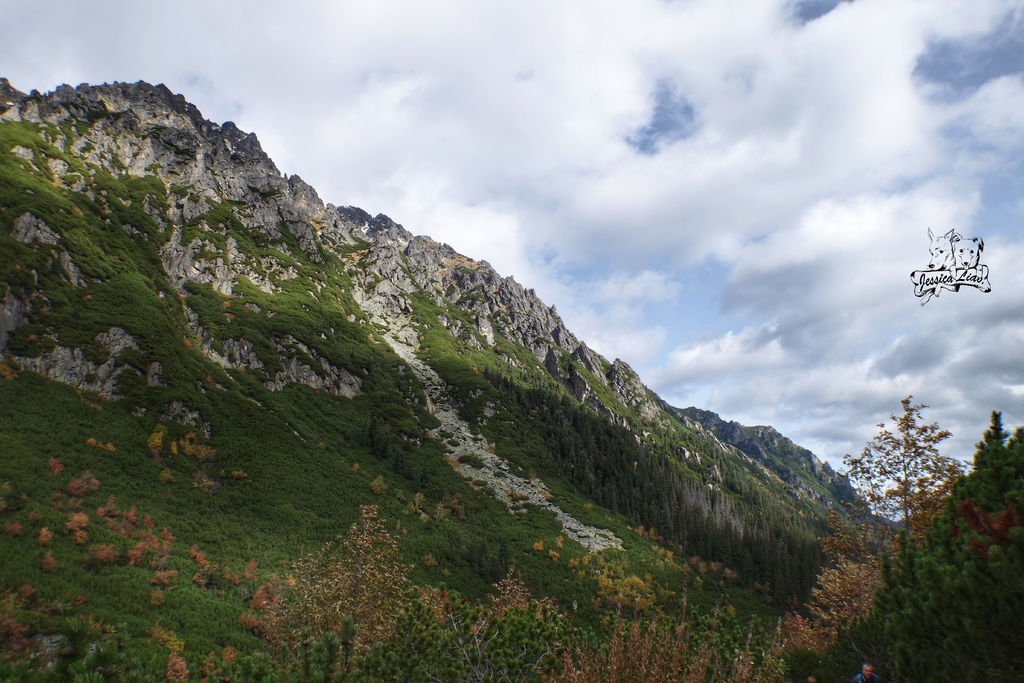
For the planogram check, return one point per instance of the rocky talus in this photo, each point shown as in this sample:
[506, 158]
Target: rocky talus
[485, 467]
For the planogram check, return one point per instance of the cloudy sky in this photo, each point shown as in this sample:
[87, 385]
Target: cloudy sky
[730, 196]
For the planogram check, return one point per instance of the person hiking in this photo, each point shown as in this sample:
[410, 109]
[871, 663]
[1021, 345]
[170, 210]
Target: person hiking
[867, 674]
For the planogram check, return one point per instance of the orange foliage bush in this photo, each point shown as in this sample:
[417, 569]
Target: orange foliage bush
[109, 447]
[83, 484]
[253, 623]
[266, 597]
[102, 553]
[107, 508]
[177, 667]
[14, 641]
[198, 556]
[12, 529]
[136, 552]
[55, 466]
[76, 525]
[47, 564]
[45, 536]
[163, 577]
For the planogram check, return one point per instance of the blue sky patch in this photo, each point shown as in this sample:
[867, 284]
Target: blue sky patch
[962, 66]
[672, 119]
[807, 11]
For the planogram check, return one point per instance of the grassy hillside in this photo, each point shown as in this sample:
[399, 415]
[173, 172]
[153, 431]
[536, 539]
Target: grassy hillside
[169, 450]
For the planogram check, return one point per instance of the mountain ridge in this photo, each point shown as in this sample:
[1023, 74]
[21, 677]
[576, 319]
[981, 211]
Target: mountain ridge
[136, 222]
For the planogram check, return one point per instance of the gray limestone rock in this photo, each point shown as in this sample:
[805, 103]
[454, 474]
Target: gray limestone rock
[176, 411]
[28, 229]
[330, 378]
[70, 365]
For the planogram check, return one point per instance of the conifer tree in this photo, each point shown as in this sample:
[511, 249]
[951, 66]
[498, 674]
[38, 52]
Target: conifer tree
[955, 605]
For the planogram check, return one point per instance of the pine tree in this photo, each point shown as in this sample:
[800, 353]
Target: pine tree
[955, 605]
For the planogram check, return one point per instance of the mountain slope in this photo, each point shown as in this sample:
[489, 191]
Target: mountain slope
[249, 365]
[803, 472]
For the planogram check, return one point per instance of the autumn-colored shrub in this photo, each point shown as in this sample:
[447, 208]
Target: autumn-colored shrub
[201, 579]
[76, 525]
[14, 640]
[356, 580]
[164, 577]
[6, 371]
[204, 483]
[55, 466]
[82, 485]
[155, 442]
[12, 528]
[45, 536]
[177, 667]
[266, 598]
[660, 650]
[107, 508]
[166, 540]
[197, 556]
[166, 638]
[93, 443]
[47, 563]
[256, 624]
[137, 552]
[102, 553]
[190, 446]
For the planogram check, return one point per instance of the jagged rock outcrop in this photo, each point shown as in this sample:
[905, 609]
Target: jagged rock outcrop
[71, 365]
[176, 411]
[140, 129]
[9, 94]
[334, 380]
[632, 392]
